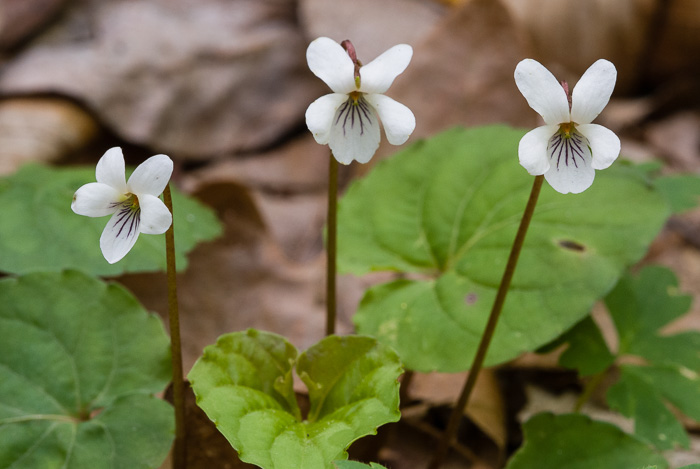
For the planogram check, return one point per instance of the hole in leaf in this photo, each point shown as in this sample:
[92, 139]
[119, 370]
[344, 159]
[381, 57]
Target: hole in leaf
[572, 245]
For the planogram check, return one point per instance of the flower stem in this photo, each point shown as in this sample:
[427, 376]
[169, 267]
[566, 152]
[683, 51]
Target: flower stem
[331, 244]
[179, 449]
[458, 411]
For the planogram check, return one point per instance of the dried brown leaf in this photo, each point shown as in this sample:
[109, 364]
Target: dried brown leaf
[187, 78]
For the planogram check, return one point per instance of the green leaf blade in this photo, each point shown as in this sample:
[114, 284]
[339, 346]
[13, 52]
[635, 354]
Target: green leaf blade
[575, 441]
[353, 388]
[459, 210]
[72, 351]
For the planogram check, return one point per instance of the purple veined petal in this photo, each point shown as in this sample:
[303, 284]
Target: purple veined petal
[605, 145]
[96, 200]
[120, 234]
[110, 169]
[320, 115]
[355, 132]
[331, 63]
[570, 165]
[377, 76]
[155, 216]
[592, 92]
[398, 120]
[151, 176]
[532, 149]
[542, 91]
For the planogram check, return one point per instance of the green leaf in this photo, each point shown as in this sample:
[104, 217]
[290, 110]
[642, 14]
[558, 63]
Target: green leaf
[636, 397]
[691, 466]
[681, 191]
[575, 441]
[446, 211]
[40, 232]
[357, 465]
[587, 351]
[244, 384]
[78, 361]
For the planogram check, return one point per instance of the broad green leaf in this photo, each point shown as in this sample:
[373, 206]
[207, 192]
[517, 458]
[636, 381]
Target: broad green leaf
[79, 360]
[691, 466]
[445, 211]
[357, 465]
[244, 384]
[636, 397]
[575, 441]
[40, 232]
[682, 191]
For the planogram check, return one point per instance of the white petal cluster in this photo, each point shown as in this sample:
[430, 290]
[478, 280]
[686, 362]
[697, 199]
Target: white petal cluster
[568, 148]
[133, 204]
[347, 119]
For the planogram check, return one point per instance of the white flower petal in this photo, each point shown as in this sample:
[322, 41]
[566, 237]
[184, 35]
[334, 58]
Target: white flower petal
[155, 216]
[151, 176]
[331, 63]
[120, 234]
[398, 120]
[378, 75]
[570, 166]
[592, 92]
[320, 115]
[110, 169]
[355, 132]
[532, 150]
[605, 146]
[542, 91]
[96, 200]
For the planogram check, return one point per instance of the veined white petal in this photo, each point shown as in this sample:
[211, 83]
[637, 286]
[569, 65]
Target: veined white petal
[532, 150]
[320, 115]
[542, 91]
[355, 132]
[96, 200]
[605, 146]
[151, 176]
[398, 120]
[570, 165]
[592, 92]
[331, 63]
[155, 216]
[120, 234]
[378, 75]
[110, 169]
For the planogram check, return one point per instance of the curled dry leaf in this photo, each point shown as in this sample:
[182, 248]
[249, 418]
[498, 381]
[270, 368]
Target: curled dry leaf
[569, 35]
[41, 129]
[464, 71]
[185, 78]
[22, 18]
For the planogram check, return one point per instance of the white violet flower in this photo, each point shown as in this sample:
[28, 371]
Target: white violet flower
[347, 118]
[134, 204]
[568, 148]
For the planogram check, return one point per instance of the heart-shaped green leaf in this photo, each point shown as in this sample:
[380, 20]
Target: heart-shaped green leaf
[40, 232]
[445, 211]
[79, 360]
[575, 441]
[244, 384]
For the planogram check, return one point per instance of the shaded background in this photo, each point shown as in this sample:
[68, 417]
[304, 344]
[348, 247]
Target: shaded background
[222, 85]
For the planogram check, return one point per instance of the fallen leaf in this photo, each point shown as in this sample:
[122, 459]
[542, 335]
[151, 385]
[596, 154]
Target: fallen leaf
[41, 130]
[189, 79]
